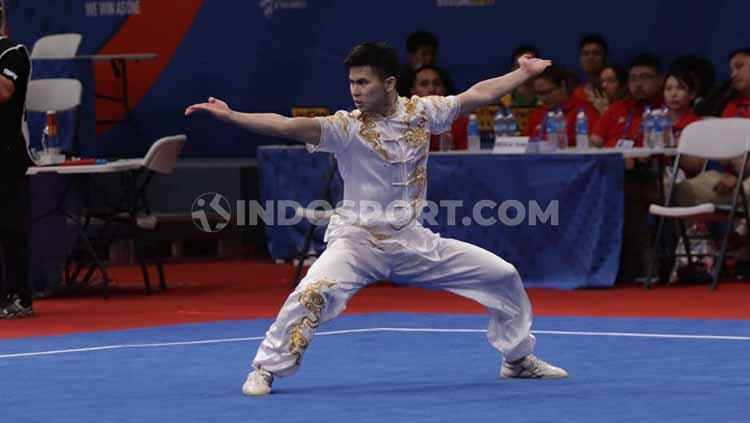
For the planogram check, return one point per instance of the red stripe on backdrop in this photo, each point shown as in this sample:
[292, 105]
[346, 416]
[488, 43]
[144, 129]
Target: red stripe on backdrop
[159, 28]
[206, 292]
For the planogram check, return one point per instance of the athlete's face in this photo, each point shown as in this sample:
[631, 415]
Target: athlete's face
[369, 90]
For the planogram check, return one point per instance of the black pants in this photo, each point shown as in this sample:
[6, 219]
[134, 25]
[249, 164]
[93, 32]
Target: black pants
[641, 190]
[14, 238]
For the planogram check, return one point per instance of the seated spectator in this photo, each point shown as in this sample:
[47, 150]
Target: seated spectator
[592, 51]
[622, 120]
[680, 90]
[614, 82]
[704, 72]
[621, 125]
[523, 95]
[716, 185]
[422, 50]
[430, 80]
[551, 86]
[739, 64]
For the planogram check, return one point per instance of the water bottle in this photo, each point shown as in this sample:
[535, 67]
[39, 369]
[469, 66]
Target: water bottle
[445, 141]
[473, 136]
[647, 127]
[666, 125]
[657, 134]
[500, 128]
[510, 124]
[551, 130]
[561, 125]
[582, 131]
[50, 139]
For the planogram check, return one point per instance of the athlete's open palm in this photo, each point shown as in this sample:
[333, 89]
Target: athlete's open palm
[533, 65]
[216, 107]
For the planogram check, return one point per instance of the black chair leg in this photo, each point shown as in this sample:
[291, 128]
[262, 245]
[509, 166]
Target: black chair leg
[144, 268]
[686, 241]
[657, 244]
[160, 270]
[722, 252]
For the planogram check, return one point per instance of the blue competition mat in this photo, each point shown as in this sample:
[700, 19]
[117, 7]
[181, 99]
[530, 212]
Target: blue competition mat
[622, 370]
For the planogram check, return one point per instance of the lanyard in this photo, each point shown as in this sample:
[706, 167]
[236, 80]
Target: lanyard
[742, 108]
[628, 122]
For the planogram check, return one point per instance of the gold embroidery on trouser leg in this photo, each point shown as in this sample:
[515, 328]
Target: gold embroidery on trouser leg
[314, 302]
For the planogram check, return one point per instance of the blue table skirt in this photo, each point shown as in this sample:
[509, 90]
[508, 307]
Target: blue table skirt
[582, 250]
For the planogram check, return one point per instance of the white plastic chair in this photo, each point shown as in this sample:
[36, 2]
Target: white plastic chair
[132, 212]
[56, 94]
[57, 46]
[715, 139]
[163, 154]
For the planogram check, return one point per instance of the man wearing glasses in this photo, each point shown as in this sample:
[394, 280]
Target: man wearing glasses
[621, 123]
[620, 126]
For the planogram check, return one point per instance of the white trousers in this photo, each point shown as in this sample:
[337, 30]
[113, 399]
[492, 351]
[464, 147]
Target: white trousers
[346, 266]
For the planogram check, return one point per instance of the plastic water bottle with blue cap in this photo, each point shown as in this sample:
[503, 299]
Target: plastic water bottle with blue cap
[510, 124]
[550, 127]
[562, 130]
[582, 130]
[666, 124]
[473, 136]
[500, 128]
[657, 133]
[647, 127]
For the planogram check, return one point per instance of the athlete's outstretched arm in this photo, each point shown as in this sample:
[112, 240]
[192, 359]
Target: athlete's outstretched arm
[306, 130]
[490, 90]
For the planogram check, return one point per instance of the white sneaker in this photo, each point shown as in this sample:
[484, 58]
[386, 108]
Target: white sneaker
[258, 383]
[531, 367]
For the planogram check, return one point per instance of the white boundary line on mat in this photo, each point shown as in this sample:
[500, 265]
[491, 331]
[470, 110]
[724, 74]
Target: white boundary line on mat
[414, 330]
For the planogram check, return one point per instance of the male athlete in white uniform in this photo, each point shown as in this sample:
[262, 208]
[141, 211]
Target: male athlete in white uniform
[381, 149]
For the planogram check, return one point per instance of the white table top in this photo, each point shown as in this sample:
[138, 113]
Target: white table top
[626, 152]
[111, 167]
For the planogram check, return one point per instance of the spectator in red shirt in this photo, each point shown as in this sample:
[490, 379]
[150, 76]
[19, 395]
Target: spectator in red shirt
[739, 64]
[551, 86]
[680, 90]
[614, 82]
[622, 120]
[713, 185]
[592, 51]
[430, 80]
[422, 50]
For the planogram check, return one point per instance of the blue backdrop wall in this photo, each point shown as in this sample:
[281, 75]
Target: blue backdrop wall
[270, 55]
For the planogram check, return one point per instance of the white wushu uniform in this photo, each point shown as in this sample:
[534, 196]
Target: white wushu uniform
[383, 160]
